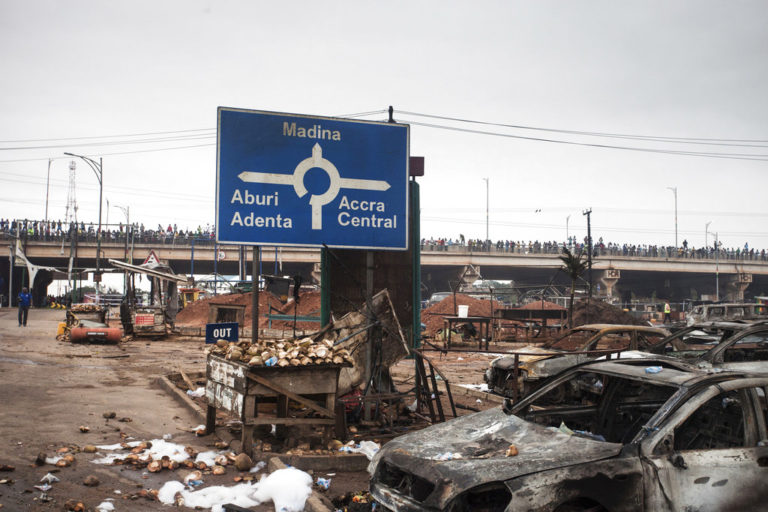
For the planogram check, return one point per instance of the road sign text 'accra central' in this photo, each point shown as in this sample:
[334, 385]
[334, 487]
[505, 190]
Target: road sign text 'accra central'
[286, 179]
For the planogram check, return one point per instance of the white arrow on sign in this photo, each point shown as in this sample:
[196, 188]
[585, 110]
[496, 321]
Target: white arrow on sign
[297, 180]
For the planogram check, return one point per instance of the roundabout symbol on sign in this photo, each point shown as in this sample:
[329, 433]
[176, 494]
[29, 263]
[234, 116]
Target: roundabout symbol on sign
[297, 180]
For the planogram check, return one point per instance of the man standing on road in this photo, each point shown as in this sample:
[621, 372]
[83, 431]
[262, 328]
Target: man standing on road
[25, 300]
[667, 311]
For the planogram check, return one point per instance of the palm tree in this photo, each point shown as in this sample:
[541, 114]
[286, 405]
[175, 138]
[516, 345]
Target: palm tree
[573, 266]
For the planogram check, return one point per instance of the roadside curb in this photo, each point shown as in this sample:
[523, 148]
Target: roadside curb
[180, 396]
[482, 395]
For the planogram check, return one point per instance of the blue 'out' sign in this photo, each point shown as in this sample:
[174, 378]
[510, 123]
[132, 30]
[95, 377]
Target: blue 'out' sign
[224, 331]
[286, 179]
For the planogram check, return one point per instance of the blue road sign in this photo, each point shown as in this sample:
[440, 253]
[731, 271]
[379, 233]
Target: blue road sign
[287, 179]
[222, 331]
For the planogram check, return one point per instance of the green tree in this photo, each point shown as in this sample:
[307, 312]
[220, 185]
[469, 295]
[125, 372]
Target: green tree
[573, 265]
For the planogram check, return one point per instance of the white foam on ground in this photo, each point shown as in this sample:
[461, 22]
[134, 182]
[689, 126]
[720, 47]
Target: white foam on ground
[207, 457]
[105, 506]
[160, 448]
[477, 387]
[287, 488]
[118, 446]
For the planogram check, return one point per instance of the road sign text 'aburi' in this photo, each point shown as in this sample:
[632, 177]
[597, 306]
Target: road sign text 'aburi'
[288, 179]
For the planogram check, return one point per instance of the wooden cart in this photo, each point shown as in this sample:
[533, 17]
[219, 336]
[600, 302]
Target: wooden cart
[238, 388]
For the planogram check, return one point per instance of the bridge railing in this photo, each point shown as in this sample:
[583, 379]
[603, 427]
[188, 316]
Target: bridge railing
[655, 252]
[87, 233]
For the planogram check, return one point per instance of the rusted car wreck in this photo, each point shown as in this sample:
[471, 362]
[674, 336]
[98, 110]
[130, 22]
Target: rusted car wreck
[642, 434]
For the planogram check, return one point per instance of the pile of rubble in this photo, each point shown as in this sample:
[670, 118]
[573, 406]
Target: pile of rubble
[301, 352]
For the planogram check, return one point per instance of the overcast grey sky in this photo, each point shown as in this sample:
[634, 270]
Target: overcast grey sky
[690, 69]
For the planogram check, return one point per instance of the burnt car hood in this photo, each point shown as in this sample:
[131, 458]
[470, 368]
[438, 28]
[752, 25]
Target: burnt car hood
[475, 448]
[508, 362]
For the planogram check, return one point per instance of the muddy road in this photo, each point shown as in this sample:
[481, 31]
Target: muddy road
[48, 389]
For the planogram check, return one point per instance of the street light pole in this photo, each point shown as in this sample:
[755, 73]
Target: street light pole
[567, 237]
[98, 170]
[674, 191]
[486, 209]
[717, 266]
[706, 229]
[127, 211]
[47, 187]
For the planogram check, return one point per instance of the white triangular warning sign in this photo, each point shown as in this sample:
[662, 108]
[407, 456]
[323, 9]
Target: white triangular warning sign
[152, 259]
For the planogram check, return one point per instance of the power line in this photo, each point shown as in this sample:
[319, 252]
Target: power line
[113, 143]
[656, 138]
[731, 156]
[107, 136]
[110, 154]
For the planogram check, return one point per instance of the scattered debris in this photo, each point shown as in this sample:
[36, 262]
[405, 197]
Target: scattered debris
[49, 478]
[84, 429]
[91, 481]
[72, 505]
[243, 462]
[7, 467]
[105, 506]
[109, 415]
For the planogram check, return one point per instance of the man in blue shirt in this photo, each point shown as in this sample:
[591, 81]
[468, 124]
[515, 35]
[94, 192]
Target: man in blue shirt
[25, 300]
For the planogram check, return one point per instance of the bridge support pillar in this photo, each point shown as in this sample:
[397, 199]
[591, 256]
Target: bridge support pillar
[608, 278]
[736, 285]
[469, 275]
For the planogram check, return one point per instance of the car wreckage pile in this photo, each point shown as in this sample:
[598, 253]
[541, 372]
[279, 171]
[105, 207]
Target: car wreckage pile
[301, 352]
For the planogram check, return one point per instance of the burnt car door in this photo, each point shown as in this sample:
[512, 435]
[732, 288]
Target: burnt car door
[711, 453]
[747, 351]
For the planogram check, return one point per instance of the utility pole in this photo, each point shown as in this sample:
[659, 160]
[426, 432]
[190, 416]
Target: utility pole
[717, 268]
[588, 213]
[486, 209]
[706, 229]
[567, 237]
[674, 191]
[717, 265]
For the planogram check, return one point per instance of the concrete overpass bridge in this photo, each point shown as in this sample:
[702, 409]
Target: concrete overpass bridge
[672, 276]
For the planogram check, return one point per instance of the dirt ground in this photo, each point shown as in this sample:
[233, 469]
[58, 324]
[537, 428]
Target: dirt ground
[50, 388]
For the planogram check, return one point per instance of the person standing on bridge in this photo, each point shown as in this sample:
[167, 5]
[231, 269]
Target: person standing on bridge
[667, 311]
[25, 300]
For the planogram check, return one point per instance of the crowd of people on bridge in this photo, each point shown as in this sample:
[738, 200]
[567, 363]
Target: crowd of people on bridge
[58, 230]
[600, 248]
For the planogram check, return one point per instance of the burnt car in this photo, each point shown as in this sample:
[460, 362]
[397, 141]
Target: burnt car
[727, 312]
[643, 434]
[734, 345]
[536, 363]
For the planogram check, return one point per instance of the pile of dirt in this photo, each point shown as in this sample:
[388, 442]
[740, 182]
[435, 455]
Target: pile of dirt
[433, 316]
[309, 305]
[599, 312]
[196, 314]
[541, 304]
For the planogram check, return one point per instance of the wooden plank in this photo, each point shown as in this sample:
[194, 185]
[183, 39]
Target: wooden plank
[223, 397]
[264, 420]
[293, 396]
[229, 374]
[310, 380]
[187, 380]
